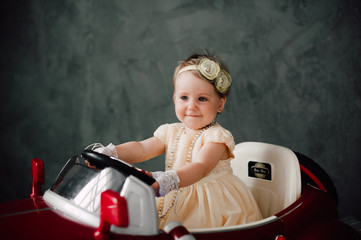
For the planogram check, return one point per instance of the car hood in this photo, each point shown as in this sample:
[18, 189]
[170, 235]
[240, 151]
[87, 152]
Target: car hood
[34, 219]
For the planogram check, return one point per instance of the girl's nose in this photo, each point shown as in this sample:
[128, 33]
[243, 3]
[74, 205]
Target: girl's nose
[192, 105]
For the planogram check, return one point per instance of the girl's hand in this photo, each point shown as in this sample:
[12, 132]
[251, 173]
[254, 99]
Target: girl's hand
[155, 185]
[165, 182]
[109, 150]
[91, 166]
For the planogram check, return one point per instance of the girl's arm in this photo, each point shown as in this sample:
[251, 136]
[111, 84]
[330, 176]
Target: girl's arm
[134, 152]
[207, 158]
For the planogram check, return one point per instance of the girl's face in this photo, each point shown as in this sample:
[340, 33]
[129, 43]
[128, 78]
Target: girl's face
[196, 101]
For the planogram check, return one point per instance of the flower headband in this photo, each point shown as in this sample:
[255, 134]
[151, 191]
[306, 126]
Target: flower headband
[213, 73]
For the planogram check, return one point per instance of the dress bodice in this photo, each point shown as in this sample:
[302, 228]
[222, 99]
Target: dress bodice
[216, 134]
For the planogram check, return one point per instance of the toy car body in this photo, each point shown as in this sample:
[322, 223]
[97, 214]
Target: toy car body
[84, 203]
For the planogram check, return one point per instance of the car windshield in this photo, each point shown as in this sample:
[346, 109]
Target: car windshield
[83, 185]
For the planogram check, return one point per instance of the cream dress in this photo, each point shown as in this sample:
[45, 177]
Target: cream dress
[220, 199]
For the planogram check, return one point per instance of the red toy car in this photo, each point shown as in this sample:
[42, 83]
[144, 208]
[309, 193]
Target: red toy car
[296, 197]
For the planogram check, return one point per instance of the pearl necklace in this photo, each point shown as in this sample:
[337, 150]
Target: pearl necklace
[170, 163]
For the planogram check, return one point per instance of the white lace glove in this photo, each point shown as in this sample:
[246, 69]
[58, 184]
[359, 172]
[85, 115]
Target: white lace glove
[109, 150]
[168, 181]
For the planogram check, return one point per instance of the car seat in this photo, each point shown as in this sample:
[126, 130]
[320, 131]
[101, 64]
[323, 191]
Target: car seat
[271, 172]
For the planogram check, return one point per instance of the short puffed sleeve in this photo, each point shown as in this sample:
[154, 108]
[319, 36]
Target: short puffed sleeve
[162, 133]
[218, 134]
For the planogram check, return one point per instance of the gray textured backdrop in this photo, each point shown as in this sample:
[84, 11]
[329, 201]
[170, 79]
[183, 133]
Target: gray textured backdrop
[78, 72]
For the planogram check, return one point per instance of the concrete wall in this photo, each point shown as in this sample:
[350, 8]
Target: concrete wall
[78, 72]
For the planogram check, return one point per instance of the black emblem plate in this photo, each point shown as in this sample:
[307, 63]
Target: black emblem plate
[260, 170]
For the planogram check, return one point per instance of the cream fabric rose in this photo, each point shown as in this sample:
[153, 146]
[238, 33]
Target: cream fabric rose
[223, 81]
[209, 68]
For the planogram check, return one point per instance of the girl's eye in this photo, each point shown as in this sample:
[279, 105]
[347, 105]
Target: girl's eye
[184, 98]
[202, 99]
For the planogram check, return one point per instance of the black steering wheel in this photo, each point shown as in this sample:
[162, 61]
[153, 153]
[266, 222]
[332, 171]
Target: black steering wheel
[101, 161]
